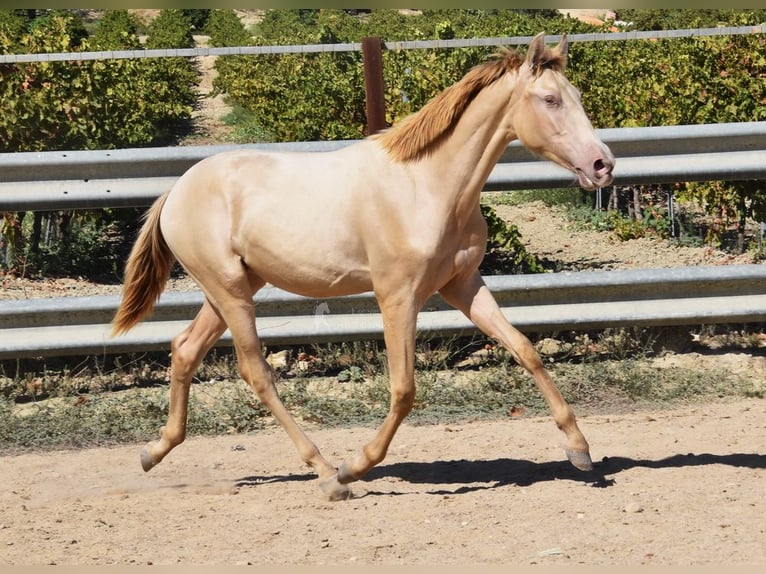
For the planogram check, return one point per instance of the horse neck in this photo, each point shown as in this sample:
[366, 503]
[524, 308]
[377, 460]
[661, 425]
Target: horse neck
[465, 159]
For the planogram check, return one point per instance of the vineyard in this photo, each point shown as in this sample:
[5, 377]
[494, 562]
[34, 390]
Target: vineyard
[102, 104]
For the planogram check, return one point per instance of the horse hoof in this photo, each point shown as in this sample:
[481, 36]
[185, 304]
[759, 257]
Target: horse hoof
[147, 460]
[334, 490]
[580, 459]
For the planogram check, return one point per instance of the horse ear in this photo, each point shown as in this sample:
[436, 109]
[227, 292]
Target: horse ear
[563, 47]
[535, 54]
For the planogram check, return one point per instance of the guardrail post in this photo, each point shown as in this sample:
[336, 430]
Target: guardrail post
[672, 215]
[372, 56]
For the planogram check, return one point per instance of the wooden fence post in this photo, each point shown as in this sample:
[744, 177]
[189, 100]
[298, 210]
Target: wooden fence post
[373, 84]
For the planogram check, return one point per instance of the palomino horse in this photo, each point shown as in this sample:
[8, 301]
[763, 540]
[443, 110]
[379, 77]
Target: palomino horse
[396, 213]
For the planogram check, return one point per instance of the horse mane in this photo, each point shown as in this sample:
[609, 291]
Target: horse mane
[417, 134]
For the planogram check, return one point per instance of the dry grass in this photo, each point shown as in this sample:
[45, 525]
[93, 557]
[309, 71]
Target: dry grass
[340, 385]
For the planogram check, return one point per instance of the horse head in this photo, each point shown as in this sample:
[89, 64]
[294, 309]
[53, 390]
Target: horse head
[549, 119]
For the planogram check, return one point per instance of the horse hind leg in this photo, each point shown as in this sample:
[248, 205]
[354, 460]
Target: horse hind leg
[187, 351]
[260, 376]
[239, 314]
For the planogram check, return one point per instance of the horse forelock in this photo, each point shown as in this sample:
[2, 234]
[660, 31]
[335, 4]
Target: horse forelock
[551, 60]
[417, 134]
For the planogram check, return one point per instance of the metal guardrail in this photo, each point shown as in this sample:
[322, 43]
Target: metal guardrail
[534, 303]
[390, 45]
[579, 301]
[135, 177]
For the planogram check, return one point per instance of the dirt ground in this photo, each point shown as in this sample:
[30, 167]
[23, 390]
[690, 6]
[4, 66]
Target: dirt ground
[682, 486]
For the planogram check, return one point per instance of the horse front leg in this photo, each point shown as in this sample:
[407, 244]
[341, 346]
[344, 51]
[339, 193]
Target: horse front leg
[187, 351]
[471, 296]
[399, 325]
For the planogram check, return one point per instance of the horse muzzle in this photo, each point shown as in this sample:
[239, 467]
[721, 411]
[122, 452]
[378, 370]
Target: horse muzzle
[597, 175]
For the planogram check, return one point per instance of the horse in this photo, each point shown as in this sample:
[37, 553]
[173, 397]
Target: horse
[396, 213]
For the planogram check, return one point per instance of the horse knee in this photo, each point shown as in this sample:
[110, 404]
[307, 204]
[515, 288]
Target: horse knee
[182, 364]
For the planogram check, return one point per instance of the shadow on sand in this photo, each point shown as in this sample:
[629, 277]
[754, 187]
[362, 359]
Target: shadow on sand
[473, 475]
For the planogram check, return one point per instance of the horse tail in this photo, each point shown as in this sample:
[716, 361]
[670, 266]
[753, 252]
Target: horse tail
[146, 272]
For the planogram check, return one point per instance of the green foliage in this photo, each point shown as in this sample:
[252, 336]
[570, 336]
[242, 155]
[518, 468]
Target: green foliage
[702, 80]
[645, 19]
[245, 126]
[654, 222]
[175, 80]
[72, 422]
[729, 204]
[43, 103]
[170, 29]
[94, 104]
[672, 81]
[358, 403]
[556, 196]
[298, 97]
[116, 30]
[505, 253]
[13, 25]
[321, 96]
[16, 23]
[295, 24]
[88, 243]
[197, 17]
[97, 104]
[75, 27]
[226, 29]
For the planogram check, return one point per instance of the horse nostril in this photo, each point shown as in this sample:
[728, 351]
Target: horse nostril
[600, 166]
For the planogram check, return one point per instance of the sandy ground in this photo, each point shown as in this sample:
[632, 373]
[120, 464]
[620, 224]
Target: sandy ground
[683, 486]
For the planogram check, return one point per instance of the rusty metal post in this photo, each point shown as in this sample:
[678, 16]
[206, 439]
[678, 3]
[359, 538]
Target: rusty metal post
[372, 57]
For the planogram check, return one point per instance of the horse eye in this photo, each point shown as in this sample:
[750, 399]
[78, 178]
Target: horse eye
[551, 101]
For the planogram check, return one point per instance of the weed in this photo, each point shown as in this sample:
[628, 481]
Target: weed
[557, 196]
[505, 253]
[324, 404]
[245, 127]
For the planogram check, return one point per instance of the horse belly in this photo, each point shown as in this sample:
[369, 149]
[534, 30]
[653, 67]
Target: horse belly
[314, 264]
[320, 280]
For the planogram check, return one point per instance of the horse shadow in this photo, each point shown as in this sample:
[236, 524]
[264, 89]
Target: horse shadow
[473, 475]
